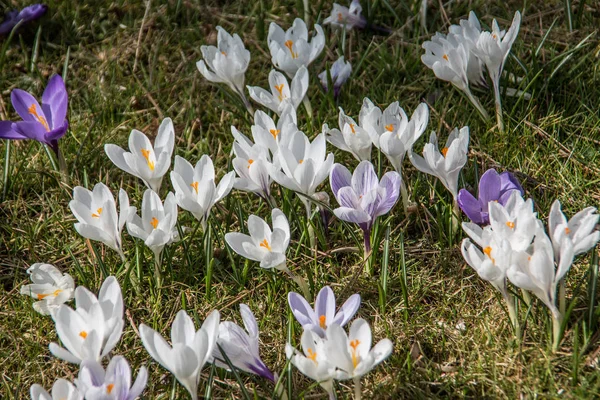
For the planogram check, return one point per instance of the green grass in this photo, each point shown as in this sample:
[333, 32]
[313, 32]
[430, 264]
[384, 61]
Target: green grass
[552, 143]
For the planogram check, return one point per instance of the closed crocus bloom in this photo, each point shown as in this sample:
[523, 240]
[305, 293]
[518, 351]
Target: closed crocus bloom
[195, 188]
[47, 122]
[96, 213]
[352, 354]
[314, 362]
[251, 169]
[350, 137]
[346, 17]
[400, 134]
[190, 349]
[292, 49]
[281, 93]
[263, 244]
[50, 287]
[156, 226]
[493, 187]
[323, 314]
[112, 384]
[468, 32]
[447, 163]
[27, 14]
[93, 329]
[241, 346]
[340, 72]
[61, 390]
[147, 162]
[362, 196]
[580, 229]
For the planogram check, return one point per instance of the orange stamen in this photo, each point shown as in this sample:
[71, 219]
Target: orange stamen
[97, 213]
[289, 45]
[83, 334]
[279, 89]
[146, 154]
[33, 111]
[109, 388]
[567, 231]
[250, 161]
[510, 224]
[444, 151]
[154, 222]
[322, 320]
[354, 344]
[312, 355]
[41, 296]
[352, 128]
[389, 127]
[340, 17]
[274, 132]
[265, 244]
[300, 162]
[195, 186]
[445, 57]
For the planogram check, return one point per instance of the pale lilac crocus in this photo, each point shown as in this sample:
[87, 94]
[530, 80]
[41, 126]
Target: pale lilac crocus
[27, 14]
[112, 384]
[46, 123]
[362, 196]
[493, 187]
[323, 314]
[340, 72]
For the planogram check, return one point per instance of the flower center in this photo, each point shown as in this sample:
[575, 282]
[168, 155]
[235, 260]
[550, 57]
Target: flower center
[289, 44]
[83, 334]
[301, 161]
[109, 388]
[250, 161]
[41, 296]
[274, 132]
[154, 222]
[567, 231]
[494, 36]
[444, 151]
[352, 128]
[33, 111]
[195, 186]
[322, 320]
[445, 57]
[488, 252]
[224, 53]
[354, 344]
[312, 355]
[340, 17]
[389, 128]
[146, 154]
[265, 244]
[97, 213]
[279, 89]
[510, 224]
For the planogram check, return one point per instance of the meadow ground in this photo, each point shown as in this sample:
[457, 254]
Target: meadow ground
[127, 67]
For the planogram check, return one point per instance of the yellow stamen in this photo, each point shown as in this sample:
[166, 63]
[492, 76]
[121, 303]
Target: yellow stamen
[312, 355]
[41, 296]
[340, 17]
[224, 53]
[279, 89]
[109, 388]
[322, 320]
[83, 334]
[444, 151]
[146, 154]
[289, 45]
[567, 231]
[494, 36]
[33, 111]
[488, 252]
[445, 57]
[389, 127]
[274, 132]
[354, 344]
[300, 162]
[352, 128]
[154, 222]
[265, 244]
[97, 213]
[250, 161]
[510, 224]
[195, 186]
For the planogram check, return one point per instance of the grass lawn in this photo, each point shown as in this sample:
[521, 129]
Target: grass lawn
[127, 67]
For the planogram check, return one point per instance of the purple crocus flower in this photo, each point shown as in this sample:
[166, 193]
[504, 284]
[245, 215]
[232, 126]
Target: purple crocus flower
[492, 187]
[340, 72]
[324, 314]
[27, 14]
[46, 123]
[362, 196]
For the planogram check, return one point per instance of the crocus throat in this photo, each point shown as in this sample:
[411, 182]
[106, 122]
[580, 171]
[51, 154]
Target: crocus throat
[195, 186]
[279, 89]
[83, 334]
[354, 344]
[41, 296]
[322, 320]
[154, 222]
[444, 151]
[265, 244]
[97, 213]
[146, 154]
[109, 387]
[274, 132]
[289, 45]
[389, 128]
[312, 355]
[33, 111]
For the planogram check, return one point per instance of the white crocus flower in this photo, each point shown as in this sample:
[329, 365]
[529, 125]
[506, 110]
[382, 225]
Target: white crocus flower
[281, 93]
[351, 137]
[251, 168]
[468, 32]
[195, 188]
[112, 384]
[96, 213]
[492, 49]
[190, 349]
[226, 63]
[346, 17]
[340, 72]
[447, 163]
[352, 354]
[291, 49]
[314, 363]
[147, 162]
[94, 328]
[268, 134]
[580, 229]
[241, 346]
[50, 287]
[156, 226]
[515, 221]
[263, 244]
[61, 390]
[304, 165]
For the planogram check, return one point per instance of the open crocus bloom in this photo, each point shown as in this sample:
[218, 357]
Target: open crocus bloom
[447, 163]
[250, 166]
[46, 123]
[112, 384]
[195, 188]
[190, 349]
[352, 354]
[50, 287]
[147, 162]
[493, 187]
[315, 362]
[351, 137]
[93, 329]
[580, 229]
[61, 390]
[156, 226]
[340, 72]
[281, 92]
[362, 196]
[291, 49]
[241, 346]
[323, 315]
[97, 217]
[349, 18]
[263, 245]
[268, 134]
